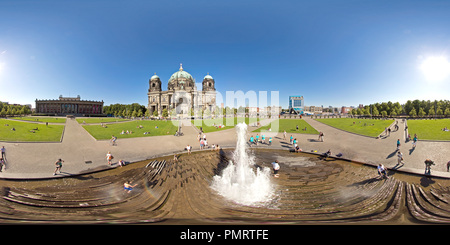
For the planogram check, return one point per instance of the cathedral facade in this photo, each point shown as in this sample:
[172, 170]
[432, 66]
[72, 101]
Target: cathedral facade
[181, 97]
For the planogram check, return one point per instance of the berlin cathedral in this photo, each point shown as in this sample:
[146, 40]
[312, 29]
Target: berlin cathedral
[182, 94]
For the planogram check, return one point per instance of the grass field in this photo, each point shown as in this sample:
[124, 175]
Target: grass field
[367, 127]
[290, 125]
[207, 124]
[100, 120]
[42, 119]
[42, 133]
[101, 133]
[429, 129]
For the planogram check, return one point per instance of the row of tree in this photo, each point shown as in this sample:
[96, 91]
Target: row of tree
[13, 110]
[131, 110]
[410, 108]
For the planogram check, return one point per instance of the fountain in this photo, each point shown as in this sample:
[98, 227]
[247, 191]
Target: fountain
[240, 182]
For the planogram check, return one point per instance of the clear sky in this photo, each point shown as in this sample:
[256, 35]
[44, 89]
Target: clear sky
[336, 52]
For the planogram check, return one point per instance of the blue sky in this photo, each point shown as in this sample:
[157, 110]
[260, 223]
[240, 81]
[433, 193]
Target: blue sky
[331, 52]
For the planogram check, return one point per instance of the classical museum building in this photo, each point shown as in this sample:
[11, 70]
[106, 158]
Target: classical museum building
[69, 106]
[181, 96]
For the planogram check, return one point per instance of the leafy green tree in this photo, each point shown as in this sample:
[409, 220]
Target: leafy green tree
[165, 113]
[421, 112]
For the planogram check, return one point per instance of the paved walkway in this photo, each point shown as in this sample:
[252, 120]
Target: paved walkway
[82, 153]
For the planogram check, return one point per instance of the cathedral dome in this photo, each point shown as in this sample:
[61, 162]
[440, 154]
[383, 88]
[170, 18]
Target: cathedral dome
[154, 77]
[181, 80]
[180, 74]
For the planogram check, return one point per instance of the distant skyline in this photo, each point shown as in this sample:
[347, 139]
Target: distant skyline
[338, 53]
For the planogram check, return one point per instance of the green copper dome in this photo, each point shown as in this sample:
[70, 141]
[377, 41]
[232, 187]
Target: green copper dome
[180, 74]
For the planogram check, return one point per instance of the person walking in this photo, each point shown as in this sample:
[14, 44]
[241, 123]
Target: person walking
[400, 158]
[3, 150]
[109, 158]
[414, 141]
[113, 140]
[284, 135]
[2, 163]
[321, 136]
[428, 164]
[398, 144]
[58, 166]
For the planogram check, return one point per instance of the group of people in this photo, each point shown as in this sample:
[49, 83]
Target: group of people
[259, 139]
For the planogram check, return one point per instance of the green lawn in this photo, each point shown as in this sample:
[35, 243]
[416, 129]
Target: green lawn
[429, 129]
[50, 133]
[101, 133]
[290, 125]
[42, 119]
[100, 120]
[207, 124]
[367, 127]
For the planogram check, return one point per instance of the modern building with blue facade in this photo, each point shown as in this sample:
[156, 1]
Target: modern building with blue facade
[296, 104]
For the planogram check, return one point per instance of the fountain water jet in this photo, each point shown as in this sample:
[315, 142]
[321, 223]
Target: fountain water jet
[240, 182]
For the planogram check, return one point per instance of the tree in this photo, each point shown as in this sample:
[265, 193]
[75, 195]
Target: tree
[359, 111]
[375, 111]
[421, 112]
[155, 113]
[165, 113]
[384, 113]
[413, 112]
[447, 111]
[134, 113]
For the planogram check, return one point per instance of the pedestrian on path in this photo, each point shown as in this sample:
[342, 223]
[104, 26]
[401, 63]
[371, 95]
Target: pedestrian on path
[428, 164]
[284, 135]
[2, 163]
[398, 144]
[189, 148]
[400, 158]
[321, 136]
[109, 158]
[113, 140]
[3, 153]
[58, 166]
[414, 141]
